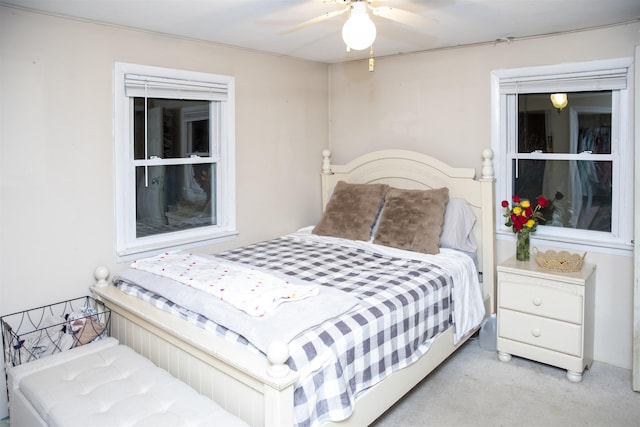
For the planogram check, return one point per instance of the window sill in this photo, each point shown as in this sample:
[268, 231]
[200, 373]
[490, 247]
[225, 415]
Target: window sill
[144, 251]
[572, 244]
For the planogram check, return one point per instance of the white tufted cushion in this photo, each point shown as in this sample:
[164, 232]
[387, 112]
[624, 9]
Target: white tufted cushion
[117, 387]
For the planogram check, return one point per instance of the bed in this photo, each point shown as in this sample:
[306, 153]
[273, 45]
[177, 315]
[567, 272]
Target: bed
[257, 383]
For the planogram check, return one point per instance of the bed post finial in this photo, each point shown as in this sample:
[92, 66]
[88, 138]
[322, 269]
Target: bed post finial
[277, 354]
[326, 161]
[101, 274]
[487, 164]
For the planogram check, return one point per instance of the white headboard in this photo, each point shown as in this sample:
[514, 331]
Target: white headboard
[412, 170]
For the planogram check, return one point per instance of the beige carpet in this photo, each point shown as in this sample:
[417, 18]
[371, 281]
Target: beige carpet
[474, 388]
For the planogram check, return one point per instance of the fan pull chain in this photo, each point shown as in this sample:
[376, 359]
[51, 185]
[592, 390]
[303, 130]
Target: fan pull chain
[372, 61]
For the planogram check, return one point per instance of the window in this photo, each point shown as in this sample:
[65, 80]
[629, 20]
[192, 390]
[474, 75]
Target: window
[174, 149]
[578, 155]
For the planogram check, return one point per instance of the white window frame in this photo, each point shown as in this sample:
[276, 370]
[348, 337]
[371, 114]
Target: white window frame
[612, 74]
[127, 245]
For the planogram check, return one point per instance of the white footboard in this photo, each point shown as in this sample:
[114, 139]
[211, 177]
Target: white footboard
[243, 383]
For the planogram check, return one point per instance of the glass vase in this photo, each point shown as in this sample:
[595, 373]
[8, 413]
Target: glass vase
[523, 252]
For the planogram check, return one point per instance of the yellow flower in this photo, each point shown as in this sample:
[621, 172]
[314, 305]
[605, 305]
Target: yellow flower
[530, 223]
[517, 210]
[525, 204]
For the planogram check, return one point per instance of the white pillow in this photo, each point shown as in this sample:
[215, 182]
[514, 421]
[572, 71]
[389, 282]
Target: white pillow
[458, 225]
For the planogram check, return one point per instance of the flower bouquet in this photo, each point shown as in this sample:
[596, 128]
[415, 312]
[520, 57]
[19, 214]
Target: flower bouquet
[523, 219]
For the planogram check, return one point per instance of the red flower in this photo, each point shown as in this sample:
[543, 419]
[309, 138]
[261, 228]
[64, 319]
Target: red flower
[516, 199]
[542, 201]
[505, 203]
[518, 221]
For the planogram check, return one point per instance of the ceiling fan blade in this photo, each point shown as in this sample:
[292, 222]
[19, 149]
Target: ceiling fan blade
[315, 20]
[401, 16]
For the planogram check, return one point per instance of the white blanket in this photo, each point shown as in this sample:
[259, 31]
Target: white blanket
[247, 288]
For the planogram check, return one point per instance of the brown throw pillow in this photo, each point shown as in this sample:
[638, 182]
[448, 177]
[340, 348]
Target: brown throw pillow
[351, 211]
[412, 219]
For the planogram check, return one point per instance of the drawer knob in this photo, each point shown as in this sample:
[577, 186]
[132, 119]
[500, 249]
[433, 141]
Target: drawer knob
[535, 333]
[537, 301]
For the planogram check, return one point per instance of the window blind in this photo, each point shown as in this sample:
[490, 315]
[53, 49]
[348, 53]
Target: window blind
[167, 88]
[615, 79]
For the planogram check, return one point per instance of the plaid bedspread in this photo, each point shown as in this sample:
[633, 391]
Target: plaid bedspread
[404, 304]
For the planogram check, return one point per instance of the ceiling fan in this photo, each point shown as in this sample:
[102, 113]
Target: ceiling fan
[359, 31]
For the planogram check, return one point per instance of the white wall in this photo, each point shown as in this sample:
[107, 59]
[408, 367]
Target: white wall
[439, 103]
[56, 146]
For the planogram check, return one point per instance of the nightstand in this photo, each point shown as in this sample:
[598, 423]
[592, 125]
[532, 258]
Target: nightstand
[546, 316]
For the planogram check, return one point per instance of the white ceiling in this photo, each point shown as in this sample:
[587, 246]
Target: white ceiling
[256, 24]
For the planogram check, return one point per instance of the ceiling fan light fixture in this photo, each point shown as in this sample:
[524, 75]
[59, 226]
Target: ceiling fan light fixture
[359, 32]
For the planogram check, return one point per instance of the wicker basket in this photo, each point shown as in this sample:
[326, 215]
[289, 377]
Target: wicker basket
[563, 261]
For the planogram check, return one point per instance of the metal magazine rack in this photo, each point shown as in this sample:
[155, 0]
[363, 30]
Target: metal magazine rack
[33, 334]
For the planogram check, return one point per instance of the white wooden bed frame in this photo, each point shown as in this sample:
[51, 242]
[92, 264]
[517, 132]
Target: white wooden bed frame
[260, 391]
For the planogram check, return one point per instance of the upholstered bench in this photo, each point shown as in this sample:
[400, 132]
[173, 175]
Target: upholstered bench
[106, 384]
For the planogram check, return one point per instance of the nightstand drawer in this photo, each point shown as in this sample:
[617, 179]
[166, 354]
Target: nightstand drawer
[541, 301]
[540, 332]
